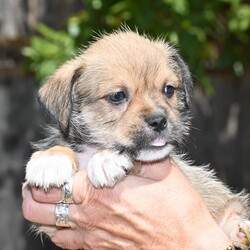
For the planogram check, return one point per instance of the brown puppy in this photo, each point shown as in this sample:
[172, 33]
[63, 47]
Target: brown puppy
[123, 100]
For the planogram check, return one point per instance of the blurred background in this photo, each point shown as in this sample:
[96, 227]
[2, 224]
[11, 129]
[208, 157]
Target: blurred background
[36, 36]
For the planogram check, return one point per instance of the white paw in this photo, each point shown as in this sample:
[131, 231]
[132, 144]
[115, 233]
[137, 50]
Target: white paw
[49, 170]
[106, 167]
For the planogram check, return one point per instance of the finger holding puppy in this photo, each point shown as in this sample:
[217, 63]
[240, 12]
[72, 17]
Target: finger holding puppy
[52, 195]
[154, 171]
[38, 211]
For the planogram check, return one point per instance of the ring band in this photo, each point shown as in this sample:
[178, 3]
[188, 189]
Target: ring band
[67, 196]
[62, 215]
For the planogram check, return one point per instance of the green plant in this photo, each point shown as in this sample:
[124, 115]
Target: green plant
[211, 35]
[49, 50]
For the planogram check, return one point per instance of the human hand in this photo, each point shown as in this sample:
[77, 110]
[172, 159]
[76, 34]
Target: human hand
[157, 210]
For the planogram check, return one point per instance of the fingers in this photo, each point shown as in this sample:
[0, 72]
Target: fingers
[41, 213]
[53, 195]
[80, 189]
[37, 212]
[95, 239]
[68, 239]
[39, 205]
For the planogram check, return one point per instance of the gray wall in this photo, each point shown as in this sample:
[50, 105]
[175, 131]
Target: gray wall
[221, 128]
[20, 117]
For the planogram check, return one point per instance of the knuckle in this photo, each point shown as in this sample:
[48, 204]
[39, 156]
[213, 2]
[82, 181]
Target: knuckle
[81, 187]
[27, 209]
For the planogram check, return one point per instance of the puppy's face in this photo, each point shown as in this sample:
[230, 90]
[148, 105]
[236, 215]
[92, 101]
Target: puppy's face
[125, 92]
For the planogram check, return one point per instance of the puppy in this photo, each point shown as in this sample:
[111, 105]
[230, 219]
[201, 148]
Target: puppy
[122, 101]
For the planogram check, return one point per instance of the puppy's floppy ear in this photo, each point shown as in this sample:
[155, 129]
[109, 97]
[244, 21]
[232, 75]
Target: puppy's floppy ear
[57, 93]
[185, 76]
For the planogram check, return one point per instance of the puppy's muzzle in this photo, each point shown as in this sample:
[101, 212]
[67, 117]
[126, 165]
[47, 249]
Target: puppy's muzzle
[157, 122]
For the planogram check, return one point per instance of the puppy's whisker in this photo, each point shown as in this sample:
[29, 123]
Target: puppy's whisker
[37, 232]
[195, 128]
[31, 230]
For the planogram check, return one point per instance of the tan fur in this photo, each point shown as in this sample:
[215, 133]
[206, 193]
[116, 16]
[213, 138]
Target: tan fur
[105, 70]
[59, 82]
[59, 150]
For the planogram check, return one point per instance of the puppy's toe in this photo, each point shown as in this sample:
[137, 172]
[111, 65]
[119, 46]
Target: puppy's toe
[106, 168]
[49, 170]
[244, 234]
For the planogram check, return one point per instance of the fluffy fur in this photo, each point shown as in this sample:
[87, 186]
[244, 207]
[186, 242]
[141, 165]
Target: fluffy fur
[127, 98]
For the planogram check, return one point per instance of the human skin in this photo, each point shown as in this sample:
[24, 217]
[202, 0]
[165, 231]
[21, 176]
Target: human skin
[157, 210]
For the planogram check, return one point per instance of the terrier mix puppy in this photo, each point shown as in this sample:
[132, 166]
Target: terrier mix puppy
[126, 99]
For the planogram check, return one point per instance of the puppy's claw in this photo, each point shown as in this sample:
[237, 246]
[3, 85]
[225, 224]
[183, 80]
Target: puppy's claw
[107, 167]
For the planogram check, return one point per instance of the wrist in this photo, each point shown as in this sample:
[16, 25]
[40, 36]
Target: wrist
[206, 233]
[210, 236]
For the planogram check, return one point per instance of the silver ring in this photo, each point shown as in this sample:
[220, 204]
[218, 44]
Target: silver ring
[67, 196]
[62, 215]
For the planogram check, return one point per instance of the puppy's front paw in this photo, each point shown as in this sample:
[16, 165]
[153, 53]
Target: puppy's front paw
[51, 168]
[243, 235]
[106, 167]
[238, 230]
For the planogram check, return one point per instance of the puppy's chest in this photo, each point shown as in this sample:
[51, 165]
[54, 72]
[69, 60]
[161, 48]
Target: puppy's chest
[84, 157]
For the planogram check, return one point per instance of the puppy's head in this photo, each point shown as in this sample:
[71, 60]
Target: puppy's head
[125, 92]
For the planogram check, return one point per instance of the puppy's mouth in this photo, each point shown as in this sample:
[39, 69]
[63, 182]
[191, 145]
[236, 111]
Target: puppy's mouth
[156, 151]
[158, 143]
[150, 150]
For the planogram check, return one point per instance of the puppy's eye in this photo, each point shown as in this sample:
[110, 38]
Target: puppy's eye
[117, 97]
[168, 90]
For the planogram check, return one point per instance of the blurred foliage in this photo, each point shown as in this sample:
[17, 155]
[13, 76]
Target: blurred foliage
[211, 35]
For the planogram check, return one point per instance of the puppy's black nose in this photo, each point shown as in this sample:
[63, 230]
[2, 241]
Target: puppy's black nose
[157, 122]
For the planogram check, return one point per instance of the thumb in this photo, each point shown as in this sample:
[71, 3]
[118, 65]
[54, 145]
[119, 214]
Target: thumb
[82, 189]
[157, 170]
